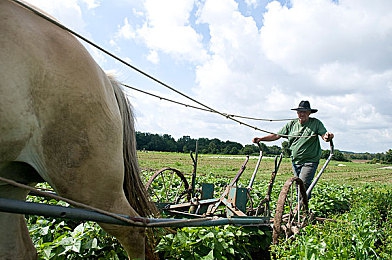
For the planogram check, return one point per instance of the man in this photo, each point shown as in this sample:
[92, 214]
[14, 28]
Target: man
[302, 134]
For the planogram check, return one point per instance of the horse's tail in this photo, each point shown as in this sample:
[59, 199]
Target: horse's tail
[134, 188]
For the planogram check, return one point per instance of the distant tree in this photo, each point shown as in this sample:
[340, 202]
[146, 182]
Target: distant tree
[388, 156]
[231, 148]
[249, 149]
[213, 147]
[264, 148]
[274, 150]
[202, 145]
[184, 144]
[169, 143]
[141, 140]
[337, 155]
[234, 150]
[156, 143]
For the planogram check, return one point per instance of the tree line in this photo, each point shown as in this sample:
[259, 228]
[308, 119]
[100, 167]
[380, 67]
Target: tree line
[373, 157]
[186, 144]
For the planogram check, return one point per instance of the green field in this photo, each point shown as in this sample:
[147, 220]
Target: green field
[352, 173]
[356, 197]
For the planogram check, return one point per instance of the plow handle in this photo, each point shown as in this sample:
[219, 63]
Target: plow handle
[322, 170]
[194, 159]
[256, 168]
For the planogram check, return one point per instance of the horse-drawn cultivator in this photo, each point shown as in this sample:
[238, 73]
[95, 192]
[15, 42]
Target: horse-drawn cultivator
[189, 206]
[174, 196]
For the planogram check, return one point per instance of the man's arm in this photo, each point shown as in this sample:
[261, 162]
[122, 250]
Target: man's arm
[267, 138]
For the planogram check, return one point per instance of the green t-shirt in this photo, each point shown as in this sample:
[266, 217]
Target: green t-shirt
[304, 149]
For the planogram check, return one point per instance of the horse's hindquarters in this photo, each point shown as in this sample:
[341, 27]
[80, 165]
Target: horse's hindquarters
[59, 115]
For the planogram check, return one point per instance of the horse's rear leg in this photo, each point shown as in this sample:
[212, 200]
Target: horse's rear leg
[15, 241]
[103, 189]
[133, 244]
[131, 238]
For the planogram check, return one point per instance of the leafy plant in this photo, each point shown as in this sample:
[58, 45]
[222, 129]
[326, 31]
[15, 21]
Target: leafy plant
[363, 232]
[226, 242]
[86, 240]
[328, 199]
[68, 239]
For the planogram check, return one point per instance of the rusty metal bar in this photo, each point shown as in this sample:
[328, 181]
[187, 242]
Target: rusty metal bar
[32, 208]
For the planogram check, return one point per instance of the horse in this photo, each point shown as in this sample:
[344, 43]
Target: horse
[64, 121]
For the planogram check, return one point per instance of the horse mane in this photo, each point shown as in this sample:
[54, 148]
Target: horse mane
[134, 188]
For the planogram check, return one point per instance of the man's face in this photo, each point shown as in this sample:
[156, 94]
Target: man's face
[303, 116]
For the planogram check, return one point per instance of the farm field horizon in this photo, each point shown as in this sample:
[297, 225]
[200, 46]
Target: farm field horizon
[355, 173]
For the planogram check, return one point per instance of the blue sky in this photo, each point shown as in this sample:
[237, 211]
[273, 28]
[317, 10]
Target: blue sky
[252, 58]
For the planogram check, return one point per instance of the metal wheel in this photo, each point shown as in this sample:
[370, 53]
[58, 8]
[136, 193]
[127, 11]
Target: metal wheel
[289, 218]
[169, 185]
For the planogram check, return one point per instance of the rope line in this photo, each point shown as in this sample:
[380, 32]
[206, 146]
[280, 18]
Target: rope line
[142, 72]
[203, 109]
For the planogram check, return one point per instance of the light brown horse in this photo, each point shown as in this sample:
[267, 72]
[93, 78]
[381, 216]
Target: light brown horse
[63, 120]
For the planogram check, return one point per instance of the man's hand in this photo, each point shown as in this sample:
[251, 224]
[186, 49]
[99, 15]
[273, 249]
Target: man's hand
[256, 140]
[328, 136]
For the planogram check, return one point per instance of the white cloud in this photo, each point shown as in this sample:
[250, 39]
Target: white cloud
[167, 29]
[327, 32]
[236, 58]
[126, 31]
[336, 54]
[153, 57]
[91, 4]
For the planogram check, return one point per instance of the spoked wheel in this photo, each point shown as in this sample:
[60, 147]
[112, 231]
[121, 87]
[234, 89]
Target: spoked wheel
[168, 185]
[289, 218]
